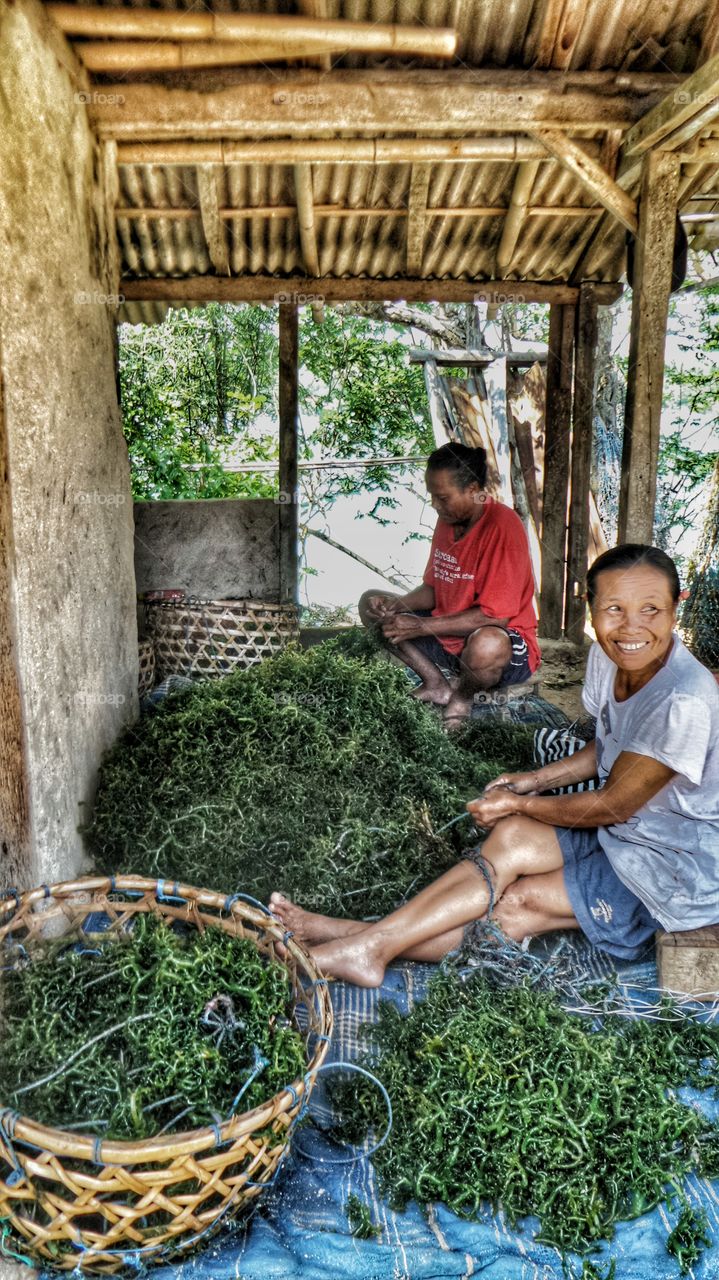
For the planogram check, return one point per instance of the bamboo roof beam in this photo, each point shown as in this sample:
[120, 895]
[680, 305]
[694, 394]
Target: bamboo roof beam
[212, 224]
[516, 214]
[417, 217]
[373, 211]
[258, 288]
[503, 149]
[306, 218]
[307, 103]
[115, 57]
[286, 29]
[592, 175]
[681, 115]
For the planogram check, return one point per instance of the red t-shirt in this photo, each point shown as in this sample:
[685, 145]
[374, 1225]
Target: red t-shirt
[488, 569]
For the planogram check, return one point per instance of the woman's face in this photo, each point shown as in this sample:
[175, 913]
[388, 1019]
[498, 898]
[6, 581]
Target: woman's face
[453, 504]
[633, 615]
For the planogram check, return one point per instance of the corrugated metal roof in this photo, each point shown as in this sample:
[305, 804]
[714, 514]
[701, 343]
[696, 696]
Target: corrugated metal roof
[616, 35]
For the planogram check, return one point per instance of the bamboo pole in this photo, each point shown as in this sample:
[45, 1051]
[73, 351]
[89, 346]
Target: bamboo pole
[306, 218]
[505, 149]
[592, 175]
[516, 214]
[200, 24]
[417, 217]
[114, 57]
[360, 211]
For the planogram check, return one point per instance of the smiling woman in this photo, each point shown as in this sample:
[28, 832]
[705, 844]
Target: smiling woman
[640, 853]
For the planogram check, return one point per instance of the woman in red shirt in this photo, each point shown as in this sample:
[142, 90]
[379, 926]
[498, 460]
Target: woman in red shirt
[472, 624]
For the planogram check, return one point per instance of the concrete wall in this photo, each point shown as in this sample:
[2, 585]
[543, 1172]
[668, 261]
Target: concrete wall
[217, 549]
[68, 619]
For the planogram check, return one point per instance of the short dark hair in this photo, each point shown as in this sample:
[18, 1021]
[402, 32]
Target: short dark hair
[466, 465]
[627, 555]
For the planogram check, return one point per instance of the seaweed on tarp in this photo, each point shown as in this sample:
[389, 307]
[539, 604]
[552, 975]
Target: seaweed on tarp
[312, 772]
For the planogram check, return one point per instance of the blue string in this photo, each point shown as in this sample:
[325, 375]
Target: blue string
[8, 1121]
[97, 1151]
[46, 890]
[478, 861]
[286, 936]
[350, 1066]
[245, 897]
[175, 896]
[452, 822]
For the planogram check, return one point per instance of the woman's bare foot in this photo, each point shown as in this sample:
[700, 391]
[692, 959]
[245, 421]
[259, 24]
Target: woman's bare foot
[309, 926]
[350, 960]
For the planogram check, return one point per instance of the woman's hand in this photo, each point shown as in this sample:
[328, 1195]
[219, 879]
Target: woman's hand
[403, 626]
[488, 809]
[522, 784]
[380, 606]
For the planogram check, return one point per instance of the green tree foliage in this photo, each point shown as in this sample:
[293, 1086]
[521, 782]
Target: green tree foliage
[188, 388]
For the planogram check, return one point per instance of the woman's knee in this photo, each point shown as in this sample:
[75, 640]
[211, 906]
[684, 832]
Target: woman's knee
[517, 846]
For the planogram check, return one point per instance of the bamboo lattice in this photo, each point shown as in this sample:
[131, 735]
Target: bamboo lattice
[146, 675]
[77, 1201]
[210, 638]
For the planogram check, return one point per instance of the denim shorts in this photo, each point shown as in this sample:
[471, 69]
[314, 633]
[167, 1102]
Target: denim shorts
[611, 916]
[517, 670]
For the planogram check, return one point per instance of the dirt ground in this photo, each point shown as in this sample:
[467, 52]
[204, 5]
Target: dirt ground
[561, 675]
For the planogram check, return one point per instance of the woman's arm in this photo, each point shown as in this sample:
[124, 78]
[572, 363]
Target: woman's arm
[579, 767]
[633, 781]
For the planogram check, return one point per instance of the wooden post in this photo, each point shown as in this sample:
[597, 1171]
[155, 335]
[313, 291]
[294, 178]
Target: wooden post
[289, 492]
[15, 850]
[650, 305]
[582, 425]
[558, 430]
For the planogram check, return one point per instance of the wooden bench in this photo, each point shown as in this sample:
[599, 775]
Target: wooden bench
[689, 962]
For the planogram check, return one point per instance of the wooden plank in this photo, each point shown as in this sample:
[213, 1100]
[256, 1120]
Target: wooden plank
[305, 289]
[306, 218]
[689, 962]
[516, 214]
[575, 159]
[417, 217]
[575, 609]
[306, 103]
[558, 430]
[15, 842]
[288, 469]
[650, 305]
[208, 185]
[677, 109]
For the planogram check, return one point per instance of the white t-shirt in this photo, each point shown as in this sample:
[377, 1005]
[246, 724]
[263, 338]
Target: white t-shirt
[667, 853]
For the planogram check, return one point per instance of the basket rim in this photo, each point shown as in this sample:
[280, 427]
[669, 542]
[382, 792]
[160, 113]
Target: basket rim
[63, 1142]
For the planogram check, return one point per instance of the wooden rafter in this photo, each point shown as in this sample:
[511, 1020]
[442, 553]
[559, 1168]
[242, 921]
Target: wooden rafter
[306, 218]
[516, 214]
[286, 29]
[259, 288]
[306, 103]
[317, 9]
[359, 211]
[212, 224]
[503, 149]
[417, 217]
[592, 175]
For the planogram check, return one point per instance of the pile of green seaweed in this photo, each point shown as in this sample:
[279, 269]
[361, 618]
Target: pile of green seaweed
[156, 1031]
[313, 773]
[504, 1097]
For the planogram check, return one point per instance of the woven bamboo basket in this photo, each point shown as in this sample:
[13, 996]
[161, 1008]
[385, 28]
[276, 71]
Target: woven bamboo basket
[75, 1201]
[204, 639]
[146, 678]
